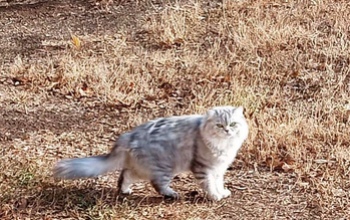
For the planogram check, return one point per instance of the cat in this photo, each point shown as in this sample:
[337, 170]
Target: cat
[161, 148]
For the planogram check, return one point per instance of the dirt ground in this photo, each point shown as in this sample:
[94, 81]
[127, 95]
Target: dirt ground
[294, 165]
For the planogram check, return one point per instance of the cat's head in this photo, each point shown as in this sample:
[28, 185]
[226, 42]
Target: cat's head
[225, 122]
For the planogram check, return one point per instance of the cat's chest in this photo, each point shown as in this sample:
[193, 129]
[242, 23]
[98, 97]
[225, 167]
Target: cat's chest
[221, 148]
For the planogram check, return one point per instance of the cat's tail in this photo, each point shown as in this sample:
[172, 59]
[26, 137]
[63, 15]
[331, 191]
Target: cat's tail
[78, 168]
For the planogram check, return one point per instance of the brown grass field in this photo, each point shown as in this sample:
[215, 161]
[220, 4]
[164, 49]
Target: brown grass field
[76, 74]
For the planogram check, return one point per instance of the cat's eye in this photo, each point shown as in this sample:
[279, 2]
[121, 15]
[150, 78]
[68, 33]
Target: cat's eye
[233, 124]
[219, 125]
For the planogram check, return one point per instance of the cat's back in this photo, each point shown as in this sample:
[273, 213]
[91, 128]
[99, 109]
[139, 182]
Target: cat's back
[172, 125]
[166, 129]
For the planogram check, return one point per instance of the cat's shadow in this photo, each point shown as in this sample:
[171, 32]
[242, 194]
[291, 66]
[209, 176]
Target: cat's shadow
[58, 198]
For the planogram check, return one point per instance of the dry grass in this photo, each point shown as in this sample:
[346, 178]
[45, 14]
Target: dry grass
[286, 62]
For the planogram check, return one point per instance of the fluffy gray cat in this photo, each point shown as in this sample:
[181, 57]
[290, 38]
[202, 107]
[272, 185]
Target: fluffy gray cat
[159, 149]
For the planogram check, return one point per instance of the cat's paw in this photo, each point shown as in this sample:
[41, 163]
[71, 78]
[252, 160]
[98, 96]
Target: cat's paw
[215, 197]
[225, 193]
[170, 193]
[174, 196]
[127, 191]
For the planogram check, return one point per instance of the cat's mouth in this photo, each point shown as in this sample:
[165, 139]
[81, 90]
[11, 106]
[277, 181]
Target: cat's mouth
[226, 134]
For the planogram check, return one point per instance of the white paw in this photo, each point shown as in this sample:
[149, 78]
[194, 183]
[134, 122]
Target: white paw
[225, 193]
[127, 191]
[215, 197]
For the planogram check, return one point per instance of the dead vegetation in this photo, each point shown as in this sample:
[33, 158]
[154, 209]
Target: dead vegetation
[286, 62]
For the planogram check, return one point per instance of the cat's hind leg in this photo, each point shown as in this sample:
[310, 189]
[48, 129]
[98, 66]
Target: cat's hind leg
[161, 183]
[126, 179]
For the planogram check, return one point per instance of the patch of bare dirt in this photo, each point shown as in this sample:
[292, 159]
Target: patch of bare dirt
[26, 26]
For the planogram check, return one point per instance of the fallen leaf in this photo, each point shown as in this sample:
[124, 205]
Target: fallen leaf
[23, 203]
[287, 168]
[76, 41]
[82, 93]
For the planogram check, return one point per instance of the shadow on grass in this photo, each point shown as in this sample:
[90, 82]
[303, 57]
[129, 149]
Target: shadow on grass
[52, 198]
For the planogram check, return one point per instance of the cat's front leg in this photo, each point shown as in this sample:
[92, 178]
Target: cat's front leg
[215, 187]
[207, 181]
[220, 185]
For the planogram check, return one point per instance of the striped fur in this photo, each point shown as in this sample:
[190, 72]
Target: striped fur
[159, 149]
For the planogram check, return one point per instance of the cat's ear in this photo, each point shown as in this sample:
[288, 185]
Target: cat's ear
[210, 113]
[239, 110]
